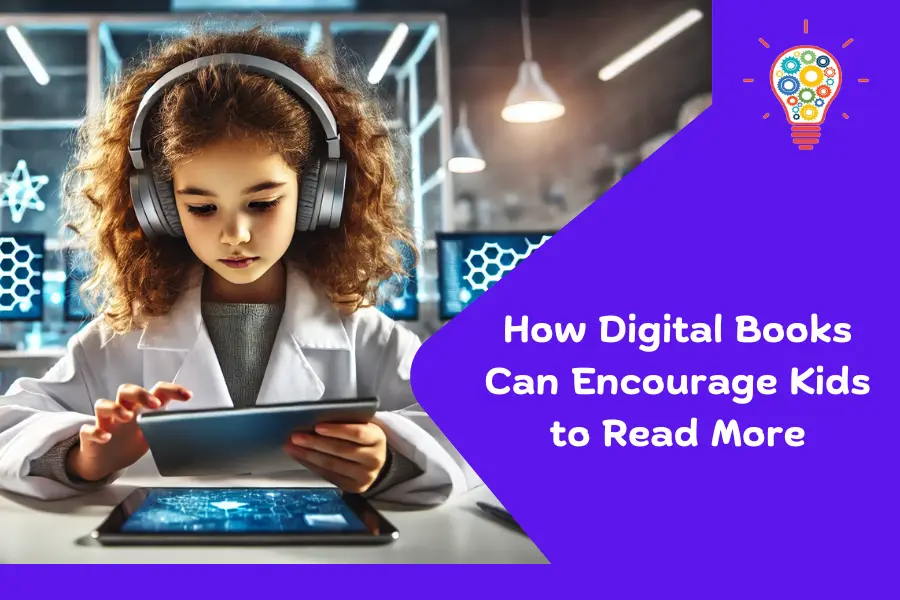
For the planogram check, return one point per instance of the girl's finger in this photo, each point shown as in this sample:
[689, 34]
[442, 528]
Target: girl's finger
[104, 410]
[93, 434]
[345, 483]
[367, 434]
[112, 412]
[330, 463]
[166, 392]
[133, 397]
[350, 451]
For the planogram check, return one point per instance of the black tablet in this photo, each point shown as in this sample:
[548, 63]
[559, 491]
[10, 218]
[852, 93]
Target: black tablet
[244, 516]
[237, 441]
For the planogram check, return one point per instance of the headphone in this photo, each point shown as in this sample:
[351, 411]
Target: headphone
[322, 182]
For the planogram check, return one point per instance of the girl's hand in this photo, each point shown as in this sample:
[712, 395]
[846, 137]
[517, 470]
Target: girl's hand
[348, 455]
[114, 441]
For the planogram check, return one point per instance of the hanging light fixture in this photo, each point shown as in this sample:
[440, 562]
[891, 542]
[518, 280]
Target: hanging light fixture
[531, 100]
[466, 156]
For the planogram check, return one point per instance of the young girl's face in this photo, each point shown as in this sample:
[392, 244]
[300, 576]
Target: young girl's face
[237, 200]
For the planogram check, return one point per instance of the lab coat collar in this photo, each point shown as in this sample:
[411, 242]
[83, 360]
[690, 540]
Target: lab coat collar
[309, 317]
[309, 321]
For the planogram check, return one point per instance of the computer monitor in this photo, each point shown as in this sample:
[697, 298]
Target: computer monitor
[469, 264]
[398, 296]
[74, 308]
[21, 276]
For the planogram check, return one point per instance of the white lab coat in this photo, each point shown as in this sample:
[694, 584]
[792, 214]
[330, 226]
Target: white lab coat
[318, 353]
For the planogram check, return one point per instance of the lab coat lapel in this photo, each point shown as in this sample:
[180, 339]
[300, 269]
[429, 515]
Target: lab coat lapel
[309, 322]
[177, 348]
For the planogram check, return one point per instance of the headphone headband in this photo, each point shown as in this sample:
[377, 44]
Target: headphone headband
[281, 73]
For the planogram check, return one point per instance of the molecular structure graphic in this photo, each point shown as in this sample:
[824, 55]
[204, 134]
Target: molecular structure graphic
[489, 264]
[18, 191]
[16, 274]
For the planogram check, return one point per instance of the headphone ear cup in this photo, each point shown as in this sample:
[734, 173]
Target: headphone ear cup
[309, 201]
[165, 195]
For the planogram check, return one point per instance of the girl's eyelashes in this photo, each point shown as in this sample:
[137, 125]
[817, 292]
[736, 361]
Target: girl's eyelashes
[202, 211]
[208, 209]
[264, 206]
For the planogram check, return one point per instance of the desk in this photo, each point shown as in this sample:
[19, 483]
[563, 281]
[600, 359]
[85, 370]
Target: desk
[59, 532]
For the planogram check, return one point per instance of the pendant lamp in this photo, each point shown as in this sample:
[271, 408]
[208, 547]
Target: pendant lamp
[466, 156]
[531, 100]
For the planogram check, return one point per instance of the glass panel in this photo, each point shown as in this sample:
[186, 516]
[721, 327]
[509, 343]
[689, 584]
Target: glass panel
[63, 55]
[33, 162]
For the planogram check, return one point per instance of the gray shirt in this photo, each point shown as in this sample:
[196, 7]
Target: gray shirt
[242, 336]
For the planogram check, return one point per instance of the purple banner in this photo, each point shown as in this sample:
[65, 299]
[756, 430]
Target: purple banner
[741, 239]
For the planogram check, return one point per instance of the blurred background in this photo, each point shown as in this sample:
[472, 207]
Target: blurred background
[516, 115]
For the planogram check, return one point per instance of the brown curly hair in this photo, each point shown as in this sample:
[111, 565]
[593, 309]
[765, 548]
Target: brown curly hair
[134, 278]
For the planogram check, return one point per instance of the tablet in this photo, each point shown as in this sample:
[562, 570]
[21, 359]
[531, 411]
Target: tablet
[239, 441]
[233, 516]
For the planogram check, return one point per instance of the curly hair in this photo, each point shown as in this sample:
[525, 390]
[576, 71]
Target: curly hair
[134, 278]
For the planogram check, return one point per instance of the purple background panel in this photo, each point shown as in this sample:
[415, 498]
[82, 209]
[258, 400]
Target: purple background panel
[729, 217]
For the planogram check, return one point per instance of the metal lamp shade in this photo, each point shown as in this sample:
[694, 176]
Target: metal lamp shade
[466, 156]
[532, 100]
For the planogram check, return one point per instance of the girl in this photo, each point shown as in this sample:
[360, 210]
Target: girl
[238, 201]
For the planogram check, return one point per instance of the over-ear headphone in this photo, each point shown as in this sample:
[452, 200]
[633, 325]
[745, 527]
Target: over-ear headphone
[321, 186]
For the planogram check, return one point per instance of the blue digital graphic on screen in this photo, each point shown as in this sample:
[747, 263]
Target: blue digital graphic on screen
[241, 510]
[471, 263]
[76, 271]
[21, 277]
[398, 297]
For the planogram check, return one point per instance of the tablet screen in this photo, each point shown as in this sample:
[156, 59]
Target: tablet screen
[243, 510]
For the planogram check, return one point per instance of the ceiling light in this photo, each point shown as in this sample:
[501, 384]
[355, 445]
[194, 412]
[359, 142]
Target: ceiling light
[386, 57]
[28, 57]
[650, 44]
[531, 100]
[466, 156]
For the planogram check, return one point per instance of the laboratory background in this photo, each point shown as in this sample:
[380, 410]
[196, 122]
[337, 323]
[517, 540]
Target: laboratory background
[515, 115]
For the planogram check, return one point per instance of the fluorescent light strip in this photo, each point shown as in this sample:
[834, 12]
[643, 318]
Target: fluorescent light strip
[650, 44]
[386, 57]
[28, 57]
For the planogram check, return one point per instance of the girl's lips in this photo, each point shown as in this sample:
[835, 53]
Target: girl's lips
[238, 264]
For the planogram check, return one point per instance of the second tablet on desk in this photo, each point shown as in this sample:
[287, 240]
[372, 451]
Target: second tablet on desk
[240, 440]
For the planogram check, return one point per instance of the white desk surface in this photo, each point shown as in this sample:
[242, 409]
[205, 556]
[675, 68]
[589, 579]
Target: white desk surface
[59, 532]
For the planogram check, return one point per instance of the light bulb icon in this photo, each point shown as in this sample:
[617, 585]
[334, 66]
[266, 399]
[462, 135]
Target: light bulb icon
[806, 80]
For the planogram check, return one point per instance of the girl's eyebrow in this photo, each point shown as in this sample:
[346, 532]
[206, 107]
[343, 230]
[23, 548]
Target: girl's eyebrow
[258, 187]
[262, 186]
[195, 191]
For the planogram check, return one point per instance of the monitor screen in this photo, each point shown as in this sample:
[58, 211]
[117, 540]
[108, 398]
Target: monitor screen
[398, 296]
[21, 277]
[74, 307]
[469, 264]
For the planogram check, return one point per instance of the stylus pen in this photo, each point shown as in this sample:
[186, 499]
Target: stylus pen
[499, 514]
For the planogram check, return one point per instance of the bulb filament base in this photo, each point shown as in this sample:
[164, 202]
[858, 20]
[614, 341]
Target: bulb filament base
[806, 136]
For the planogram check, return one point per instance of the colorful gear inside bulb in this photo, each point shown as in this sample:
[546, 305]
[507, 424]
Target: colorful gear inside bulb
[790, 65]
[829, 72]
[829, 81]
[792, 100]
[809, 112]
[806, 95]
[823, 61]
[823, 91]
[788, 85]
[820, 103]
[807, 57]
[811, 75]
